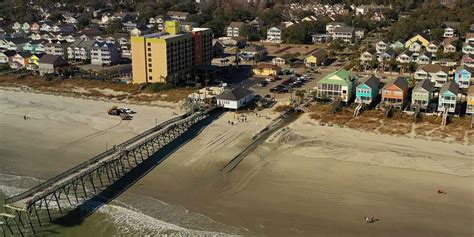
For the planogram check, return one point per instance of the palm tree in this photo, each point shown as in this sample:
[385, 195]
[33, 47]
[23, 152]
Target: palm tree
[300, 94]
[373, 63]
[384, 63]
[237, 58]
[392, 65]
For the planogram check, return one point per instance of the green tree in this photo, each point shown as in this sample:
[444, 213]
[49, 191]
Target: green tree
[272, 16]
[251, 32]
[82, 22]
[114, 27]
[337, 45]
[437, 34]
[300, 33]
[300, 94]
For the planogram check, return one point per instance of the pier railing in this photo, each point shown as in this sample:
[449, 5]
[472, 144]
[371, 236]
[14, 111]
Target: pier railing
[91, 161]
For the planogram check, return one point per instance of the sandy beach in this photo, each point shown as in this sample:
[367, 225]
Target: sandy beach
[322, 181]
[62, 131]
[309, 180]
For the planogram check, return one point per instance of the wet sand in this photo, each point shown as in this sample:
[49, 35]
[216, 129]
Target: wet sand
[308, 181]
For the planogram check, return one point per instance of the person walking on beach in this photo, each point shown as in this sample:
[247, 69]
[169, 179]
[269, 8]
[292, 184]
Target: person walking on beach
[24, 117]
[366, 220]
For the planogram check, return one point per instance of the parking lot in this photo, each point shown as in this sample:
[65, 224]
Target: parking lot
[242, 77]
[287, 85]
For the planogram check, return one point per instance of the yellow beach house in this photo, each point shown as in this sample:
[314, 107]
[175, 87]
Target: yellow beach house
[418, 39]
[33, 64]
[266, 69]
[317, 58]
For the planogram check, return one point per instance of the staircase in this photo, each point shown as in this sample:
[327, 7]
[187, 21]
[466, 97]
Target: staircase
[389, 111]
[417, 114]
[358, 110]
[444, 122]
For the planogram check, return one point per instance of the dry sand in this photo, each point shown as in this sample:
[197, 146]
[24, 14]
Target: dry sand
[321, 181]
[62, 131]
[308, 181]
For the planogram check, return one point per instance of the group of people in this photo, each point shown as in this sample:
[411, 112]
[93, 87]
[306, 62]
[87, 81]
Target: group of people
[241, 119]
[369, 220]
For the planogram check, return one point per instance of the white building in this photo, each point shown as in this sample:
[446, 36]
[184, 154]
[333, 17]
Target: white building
[274, 34]
[330, 27]
[104, 54]
[436, 73]
[235, 98]
[346, 34]
[278, 61]
[233, 30]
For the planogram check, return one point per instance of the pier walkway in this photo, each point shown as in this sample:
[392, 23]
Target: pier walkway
[86, 180]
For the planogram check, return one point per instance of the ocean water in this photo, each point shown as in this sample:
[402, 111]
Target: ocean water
[129, 215]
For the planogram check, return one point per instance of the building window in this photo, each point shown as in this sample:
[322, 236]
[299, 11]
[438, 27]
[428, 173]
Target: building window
[150, 78]
[149, 49]
[149, 54]
[149, 60]
[149, 44]
[150, 70]
[149, 65]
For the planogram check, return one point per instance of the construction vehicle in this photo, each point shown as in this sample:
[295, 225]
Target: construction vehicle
[123, 113]
[125, 116]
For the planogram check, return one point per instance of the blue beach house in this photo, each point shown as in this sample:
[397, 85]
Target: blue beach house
[448, 97]
[463, 76]
[368, 90]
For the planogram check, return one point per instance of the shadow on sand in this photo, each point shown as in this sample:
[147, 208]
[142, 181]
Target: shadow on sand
[77, 216]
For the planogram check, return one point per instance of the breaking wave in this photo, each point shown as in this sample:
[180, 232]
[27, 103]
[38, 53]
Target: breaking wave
[122, 219]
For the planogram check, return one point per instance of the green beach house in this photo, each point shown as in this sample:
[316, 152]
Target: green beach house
[422, 94]
[337, 85]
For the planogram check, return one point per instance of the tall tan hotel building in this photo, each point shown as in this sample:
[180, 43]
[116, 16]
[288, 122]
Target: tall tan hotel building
[170, 56]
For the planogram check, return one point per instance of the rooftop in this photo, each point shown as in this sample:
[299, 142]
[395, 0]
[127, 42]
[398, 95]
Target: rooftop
[235, 94]
[451, 87]
[433, 68]
[400, 82]
[371, 82]
[424, 84]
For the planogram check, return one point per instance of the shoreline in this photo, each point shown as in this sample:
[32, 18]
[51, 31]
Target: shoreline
[308, 179]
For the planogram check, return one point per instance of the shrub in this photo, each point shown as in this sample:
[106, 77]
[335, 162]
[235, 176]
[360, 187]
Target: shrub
[159, 87]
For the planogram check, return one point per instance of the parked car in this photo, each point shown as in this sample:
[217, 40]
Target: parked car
[288, 81]
[270, 79]
[284, 89]
[263, 83]
[276, 88]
